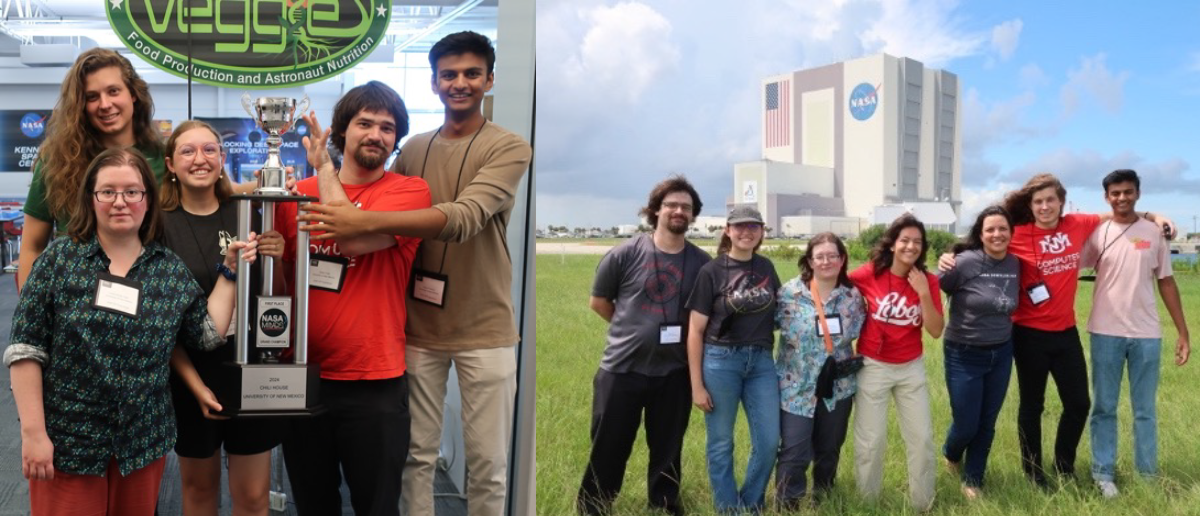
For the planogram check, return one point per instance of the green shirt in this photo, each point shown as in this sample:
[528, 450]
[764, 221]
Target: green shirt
[104, 374]
[37, 206]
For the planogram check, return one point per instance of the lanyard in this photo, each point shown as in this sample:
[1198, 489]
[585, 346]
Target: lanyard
[821, 315]
[457, 182]
[682, 274]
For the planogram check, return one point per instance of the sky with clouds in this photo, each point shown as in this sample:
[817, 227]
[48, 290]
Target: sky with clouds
[631, 91]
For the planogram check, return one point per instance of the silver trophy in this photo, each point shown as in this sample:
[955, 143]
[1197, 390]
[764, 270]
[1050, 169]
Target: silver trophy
[276, 116]
[270, 322]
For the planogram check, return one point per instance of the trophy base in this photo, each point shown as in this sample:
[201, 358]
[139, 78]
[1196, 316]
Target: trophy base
[269, 390]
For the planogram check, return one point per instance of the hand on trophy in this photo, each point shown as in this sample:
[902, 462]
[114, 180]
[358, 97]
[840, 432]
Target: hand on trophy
[271, 244]
[249, 251]
[316, 144]
[338, 219]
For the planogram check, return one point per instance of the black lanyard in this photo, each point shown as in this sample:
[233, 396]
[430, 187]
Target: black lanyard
[682, 279]
[457, 182]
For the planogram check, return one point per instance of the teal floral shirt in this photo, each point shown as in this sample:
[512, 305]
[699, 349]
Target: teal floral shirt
[802, 351]
[104, 374]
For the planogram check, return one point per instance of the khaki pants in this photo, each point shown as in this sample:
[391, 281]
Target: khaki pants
[877, 381]
[487, 381]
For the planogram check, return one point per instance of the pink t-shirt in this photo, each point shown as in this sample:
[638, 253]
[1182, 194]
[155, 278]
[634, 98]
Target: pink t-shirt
[1129, 259]
[1050, 256]
[892, 330]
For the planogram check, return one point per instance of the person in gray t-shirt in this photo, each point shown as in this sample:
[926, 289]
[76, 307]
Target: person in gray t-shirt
[983, 289]
[640, 289]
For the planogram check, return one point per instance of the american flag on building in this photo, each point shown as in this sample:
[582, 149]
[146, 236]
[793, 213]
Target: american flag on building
[778, 131]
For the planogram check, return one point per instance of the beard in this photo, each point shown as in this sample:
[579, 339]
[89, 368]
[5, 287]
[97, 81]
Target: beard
[677, 226]
[370, 161]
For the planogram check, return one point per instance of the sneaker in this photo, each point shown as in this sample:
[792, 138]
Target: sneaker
[971, 493]
[1107, 488]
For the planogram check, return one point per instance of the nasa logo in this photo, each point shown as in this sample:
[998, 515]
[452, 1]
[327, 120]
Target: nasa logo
[33, 125]
[273, 322]
[863, 101]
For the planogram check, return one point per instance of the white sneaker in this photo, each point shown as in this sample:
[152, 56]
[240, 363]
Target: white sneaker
[1107, 488]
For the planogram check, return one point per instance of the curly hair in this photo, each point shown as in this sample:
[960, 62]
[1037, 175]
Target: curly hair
[676, 183]
[83, 224]
[1019, 203]
[375, 97]
[172, 191]
[882, 254]
[71, 140]
[974, 239]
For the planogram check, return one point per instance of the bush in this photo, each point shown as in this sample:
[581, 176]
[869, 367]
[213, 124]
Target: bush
[786, 252]
[868, 237]
[940, 241]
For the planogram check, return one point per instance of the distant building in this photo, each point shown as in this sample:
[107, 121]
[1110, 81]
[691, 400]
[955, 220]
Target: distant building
[843, 139]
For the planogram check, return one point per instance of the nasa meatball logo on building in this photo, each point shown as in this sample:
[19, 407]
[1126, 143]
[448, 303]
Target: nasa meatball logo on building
[33, 125]
[863, 101]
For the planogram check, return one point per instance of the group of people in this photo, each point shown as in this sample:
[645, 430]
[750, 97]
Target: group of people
[685, 327]
[124, 319]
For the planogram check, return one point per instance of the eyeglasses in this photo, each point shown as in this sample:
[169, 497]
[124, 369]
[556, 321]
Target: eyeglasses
[684, 207]
[211, 150]
[827, 258]
[747, 226]
[110, 196]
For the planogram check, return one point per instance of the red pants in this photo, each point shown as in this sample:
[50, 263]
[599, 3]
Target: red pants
[89, 495]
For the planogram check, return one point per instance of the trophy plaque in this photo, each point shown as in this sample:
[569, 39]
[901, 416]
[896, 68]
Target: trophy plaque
[275, 385]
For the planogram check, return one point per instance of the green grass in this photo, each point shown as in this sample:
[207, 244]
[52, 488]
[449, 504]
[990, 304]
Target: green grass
[571, 341]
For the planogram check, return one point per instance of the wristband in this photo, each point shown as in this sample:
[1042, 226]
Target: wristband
[227, 272]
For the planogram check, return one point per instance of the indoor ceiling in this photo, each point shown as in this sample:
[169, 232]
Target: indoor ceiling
[414, 27]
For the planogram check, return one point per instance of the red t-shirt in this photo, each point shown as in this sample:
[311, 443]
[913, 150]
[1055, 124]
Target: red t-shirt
[892, 330]
[358, 334]
[1051, 256]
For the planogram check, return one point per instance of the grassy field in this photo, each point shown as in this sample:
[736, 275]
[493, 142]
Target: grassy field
[571, 341]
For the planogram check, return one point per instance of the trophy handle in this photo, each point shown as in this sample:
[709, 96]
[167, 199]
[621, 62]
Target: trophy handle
[248, 105]
[302, 107]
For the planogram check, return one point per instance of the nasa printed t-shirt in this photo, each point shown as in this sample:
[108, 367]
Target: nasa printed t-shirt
[1051, 256]
[739, 300]
[892, 331]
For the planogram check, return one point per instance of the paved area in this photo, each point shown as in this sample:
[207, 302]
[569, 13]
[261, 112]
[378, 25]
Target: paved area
[14, 490]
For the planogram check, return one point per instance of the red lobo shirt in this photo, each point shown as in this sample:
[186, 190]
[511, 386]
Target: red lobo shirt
[892, 331]
[1051, 256]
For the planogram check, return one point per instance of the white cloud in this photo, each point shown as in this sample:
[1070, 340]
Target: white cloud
[1094, 79]
[925, 30]
[1032, 77]
[975, 200]
[986, 125]
[626, 47]
[1006, 37]
[1087, 168]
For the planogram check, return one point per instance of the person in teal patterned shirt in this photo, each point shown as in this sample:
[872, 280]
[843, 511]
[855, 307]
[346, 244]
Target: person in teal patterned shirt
[812, 430]
[92, 336]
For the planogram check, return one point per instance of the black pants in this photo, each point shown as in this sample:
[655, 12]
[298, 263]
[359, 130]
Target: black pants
[813, 440]
[364, 435]
[617, 406]
[1039, 354]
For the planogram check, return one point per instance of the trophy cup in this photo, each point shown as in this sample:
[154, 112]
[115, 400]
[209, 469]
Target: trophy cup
[271, 388]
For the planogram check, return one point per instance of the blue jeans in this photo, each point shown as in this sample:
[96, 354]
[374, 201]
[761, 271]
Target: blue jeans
[1109, 355]
[977, 380]
[745, 374]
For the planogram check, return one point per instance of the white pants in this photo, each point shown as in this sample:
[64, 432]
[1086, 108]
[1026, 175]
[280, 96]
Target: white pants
[877, 381]
[487, 381]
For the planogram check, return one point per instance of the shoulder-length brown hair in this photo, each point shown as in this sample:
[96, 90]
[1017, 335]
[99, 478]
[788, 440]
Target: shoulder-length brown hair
[805, 262]
[83, 224]
[883, 255]
[71, 141]
[1019, 203]
[172, 190]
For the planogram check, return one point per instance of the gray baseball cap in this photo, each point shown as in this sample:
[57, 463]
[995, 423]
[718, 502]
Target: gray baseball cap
[743, 214]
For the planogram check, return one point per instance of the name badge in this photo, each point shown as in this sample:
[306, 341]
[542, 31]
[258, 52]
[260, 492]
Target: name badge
[670, 334]
[117, 295]
[327, 272]
[428, 287]
[835, 325]
[1038, 293]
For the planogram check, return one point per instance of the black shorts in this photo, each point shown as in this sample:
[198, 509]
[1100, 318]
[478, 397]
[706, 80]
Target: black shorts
[199, 437]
